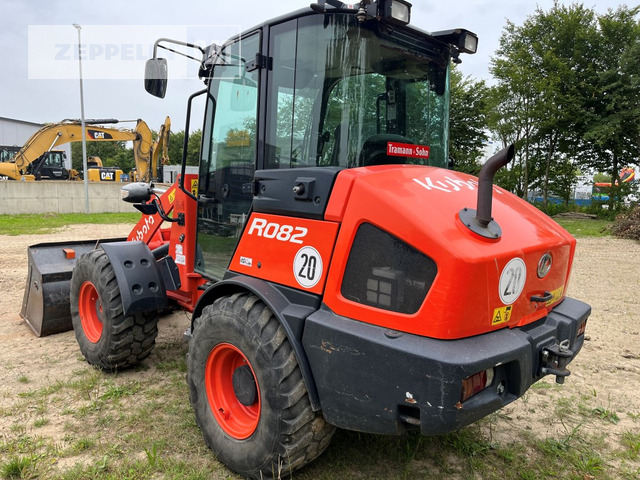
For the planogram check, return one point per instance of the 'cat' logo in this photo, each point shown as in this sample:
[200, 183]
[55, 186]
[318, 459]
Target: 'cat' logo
[98, 135]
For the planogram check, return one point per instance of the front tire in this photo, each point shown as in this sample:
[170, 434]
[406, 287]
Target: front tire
[247, 391]
[107, 338]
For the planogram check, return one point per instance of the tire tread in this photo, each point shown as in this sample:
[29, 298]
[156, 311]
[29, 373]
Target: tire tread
[302, 433]
[131, 338]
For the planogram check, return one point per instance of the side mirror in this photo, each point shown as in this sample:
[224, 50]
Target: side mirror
[155, 77]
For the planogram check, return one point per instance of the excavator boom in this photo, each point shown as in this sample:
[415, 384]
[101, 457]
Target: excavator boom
[147, 170]
[160, 150]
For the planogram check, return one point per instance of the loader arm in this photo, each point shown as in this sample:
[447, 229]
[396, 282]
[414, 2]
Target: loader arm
[51, 136]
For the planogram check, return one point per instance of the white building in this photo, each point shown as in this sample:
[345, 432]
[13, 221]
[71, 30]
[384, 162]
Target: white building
[170, 172]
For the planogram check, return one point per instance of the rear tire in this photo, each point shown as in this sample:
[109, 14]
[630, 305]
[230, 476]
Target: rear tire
[247, 391]
[107, 338]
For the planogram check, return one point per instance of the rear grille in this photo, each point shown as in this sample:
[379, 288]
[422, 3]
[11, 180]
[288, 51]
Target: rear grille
[384, 272]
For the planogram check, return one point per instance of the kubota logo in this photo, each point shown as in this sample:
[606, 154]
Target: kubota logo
[142, 231]
[448, 184]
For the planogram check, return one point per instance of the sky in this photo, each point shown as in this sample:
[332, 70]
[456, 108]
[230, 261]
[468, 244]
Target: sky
[39, 49]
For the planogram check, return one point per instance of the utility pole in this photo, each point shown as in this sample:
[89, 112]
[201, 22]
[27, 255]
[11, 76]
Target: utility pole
[84, 132]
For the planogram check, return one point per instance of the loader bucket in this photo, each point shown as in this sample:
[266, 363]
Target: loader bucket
[45, 306]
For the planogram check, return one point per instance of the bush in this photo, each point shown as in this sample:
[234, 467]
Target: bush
[595, 208]
[627, 225]
[602, 210]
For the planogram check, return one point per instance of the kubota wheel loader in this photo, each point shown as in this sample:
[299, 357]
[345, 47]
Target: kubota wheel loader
[338, 274]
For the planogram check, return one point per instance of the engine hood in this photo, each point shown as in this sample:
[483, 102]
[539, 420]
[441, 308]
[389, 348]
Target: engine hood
[479, 284]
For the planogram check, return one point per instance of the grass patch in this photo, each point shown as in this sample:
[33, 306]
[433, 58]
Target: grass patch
[606, 414]
[82, 445]
[114, 392]
[17, 467]
[45, 223]
[142, 427]
[41, 422]
[586, 227]
[631, 443]
[138, 424]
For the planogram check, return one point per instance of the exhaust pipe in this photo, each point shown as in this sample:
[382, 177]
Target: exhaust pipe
[481, 222]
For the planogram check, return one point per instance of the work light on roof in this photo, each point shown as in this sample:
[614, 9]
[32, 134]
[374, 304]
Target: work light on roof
[397, 11]
[463, 40]
[469, 43]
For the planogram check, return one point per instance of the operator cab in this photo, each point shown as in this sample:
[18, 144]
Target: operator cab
[323, 87]
[50, 165]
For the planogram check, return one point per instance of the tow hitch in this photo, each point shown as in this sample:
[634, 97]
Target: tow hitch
[555, 359]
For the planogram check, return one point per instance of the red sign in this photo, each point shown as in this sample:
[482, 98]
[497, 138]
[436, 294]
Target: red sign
[407, 150]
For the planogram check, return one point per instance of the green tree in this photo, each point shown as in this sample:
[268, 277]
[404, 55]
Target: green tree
[176, 145]
[467, 121]
[542, 68]
[614, 126]
[568, 94]
[511, 103]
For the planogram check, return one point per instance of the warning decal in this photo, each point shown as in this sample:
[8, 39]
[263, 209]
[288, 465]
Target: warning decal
[556, 295]
[501, 315]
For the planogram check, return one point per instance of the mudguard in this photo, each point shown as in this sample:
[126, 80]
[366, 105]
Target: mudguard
[143, 280]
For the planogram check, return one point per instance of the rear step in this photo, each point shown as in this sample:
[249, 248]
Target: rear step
[45, 306]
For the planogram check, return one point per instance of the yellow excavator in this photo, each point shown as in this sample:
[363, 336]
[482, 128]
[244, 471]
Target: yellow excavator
[159, 157]
[145, 151]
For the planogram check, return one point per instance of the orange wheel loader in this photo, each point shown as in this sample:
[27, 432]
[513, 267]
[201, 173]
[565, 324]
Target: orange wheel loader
[337, 273]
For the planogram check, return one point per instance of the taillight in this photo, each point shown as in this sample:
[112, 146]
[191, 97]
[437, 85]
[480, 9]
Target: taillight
[582, 328]
[476, 383]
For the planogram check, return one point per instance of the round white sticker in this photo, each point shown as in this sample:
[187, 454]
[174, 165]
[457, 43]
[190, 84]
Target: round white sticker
[512, 279]
[307, 267]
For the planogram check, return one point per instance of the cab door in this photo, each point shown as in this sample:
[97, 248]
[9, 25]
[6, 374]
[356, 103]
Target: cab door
[228, 155]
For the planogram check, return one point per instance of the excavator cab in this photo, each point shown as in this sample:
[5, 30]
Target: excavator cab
[50, 165]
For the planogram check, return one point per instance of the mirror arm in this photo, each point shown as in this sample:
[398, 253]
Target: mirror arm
[186, 143]
[177, 42]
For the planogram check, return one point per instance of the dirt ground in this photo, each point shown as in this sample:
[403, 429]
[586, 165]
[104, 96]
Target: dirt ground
[605, 377]
[22, 354]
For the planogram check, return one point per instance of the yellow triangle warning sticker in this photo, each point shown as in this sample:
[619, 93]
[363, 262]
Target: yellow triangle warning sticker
[501, 315]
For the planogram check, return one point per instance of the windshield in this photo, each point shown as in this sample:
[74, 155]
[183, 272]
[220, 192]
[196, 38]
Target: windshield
[7, 153]
[345, 94]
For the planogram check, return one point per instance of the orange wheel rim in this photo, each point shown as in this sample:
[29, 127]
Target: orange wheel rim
[90, 310]
[235, 418]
